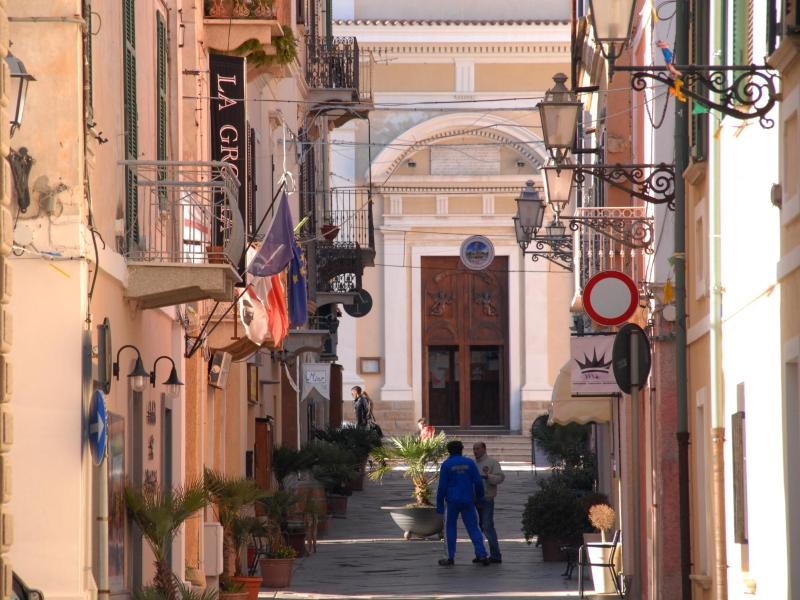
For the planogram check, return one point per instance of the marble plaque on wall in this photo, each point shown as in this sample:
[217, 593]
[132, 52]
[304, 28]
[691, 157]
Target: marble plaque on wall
[465, 160]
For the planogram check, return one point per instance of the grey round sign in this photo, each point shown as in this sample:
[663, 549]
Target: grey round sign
[477, 252]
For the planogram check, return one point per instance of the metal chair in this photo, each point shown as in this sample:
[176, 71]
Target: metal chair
[259, 552]
[583, 561]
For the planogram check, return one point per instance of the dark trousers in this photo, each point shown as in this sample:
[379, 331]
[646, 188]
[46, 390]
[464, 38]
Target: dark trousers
[486, 513]
[470, 518]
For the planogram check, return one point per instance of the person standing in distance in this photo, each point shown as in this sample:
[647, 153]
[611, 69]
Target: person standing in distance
[492, 476]
[426, 431]
[361, 406]
[460, 484]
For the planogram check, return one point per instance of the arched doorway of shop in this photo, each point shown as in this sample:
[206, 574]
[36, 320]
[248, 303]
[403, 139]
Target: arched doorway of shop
[465, 342]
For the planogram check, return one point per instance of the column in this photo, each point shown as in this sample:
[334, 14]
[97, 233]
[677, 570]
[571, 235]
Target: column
[397, 333]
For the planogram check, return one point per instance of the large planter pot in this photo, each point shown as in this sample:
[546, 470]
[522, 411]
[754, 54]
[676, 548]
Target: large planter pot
[551, 549]
[276, 572]
[337, 506]
[252, 585]
[233, 596]
[297, 540]
[601, 576]
[420, 521]
[356, 484]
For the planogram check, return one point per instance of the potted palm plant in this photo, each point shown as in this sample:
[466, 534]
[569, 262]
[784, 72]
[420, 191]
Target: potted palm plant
[335, 467]
[358, 440]
[276, 565]
[159, 513]
[232, 498]
[419, 460]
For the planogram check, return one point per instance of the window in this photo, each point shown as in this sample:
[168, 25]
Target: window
[161, 103]
[131, 119]
[698, 126]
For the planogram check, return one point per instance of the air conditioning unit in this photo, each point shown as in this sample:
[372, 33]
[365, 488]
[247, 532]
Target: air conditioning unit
[218, 369]
[212, 548]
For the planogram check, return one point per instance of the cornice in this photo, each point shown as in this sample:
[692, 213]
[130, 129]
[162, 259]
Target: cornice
[447, 22]
[467, 48]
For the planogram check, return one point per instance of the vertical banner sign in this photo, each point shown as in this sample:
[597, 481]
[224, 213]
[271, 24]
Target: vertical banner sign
[229, 132]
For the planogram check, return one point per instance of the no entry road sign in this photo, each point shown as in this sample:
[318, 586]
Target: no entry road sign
[610, 298]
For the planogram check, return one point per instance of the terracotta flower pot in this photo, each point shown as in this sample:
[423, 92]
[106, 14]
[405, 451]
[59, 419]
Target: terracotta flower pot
[252, 585]
[276, 572]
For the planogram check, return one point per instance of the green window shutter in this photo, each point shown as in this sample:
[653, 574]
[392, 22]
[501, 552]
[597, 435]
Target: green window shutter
[88, 19]
[131, 119]
[698, 125]
[742, 30]
[161, 85]
[161, 103]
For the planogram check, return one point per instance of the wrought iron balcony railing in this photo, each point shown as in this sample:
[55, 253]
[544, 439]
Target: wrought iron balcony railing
[185, 212]
[347, 240]
[333, 64]
[240, 9]
[598, 251]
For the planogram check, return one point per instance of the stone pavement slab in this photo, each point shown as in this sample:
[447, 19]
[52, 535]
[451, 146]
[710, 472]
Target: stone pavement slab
[365, 556]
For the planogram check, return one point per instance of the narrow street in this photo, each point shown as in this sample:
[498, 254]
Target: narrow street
[365, 556]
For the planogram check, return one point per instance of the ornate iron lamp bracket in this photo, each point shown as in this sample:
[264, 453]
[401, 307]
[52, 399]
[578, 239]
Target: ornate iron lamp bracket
[634, 232]
[739, 91]
[557, 250]
[651, 183]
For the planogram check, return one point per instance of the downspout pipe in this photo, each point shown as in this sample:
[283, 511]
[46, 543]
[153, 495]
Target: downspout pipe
[681, 48]
[716, 390]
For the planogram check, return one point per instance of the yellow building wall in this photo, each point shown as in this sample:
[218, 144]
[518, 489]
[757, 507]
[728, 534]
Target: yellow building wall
[497, 77]
[413, 77]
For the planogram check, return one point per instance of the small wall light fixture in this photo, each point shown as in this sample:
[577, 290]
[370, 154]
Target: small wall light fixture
[412, 163]
[19, 82]
[138, 375]
[173, 382]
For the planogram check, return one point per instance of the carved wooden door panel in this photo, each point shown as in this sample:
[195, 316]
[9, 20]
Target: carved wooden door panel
[464, 342]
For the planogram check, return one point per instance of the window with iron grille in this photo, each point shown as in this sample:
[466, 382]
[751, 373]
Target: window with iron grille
[130, 118]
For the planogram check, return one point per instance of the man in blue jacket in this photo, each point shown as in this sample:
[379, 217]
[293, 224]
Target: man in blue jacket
[460, 484]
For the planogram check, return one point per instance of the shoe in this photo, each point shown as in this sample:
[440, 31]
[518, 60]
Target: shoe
[492, 559]
[446, 562]
[484, 560]
[477, 560]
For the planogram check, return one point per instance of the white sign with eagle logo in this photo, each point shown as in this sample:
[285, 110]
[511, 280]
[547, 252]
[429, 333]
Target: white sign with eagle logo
[592, 371]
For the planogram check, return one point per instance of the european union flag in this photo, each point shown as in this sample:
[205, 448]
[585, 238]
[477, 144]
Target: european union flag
[298, 297]
[276, 250]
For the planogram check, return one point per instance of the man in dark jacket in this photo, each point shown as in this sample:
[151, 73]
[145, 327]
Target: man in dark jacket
[460, 484]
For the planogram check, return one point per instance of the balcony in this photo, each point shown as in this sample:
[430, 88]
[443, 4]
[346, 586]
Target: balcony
[186, 235]
[347, 245]
[600, 252]
[337, 73]
[228, 24]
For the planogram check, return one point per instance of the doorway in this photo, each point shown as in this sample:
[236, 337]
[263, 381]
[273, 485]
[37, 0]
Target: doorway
[465, 342]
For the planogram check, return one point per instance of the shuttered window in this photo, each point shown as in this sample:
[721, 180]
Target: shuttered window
[742, 33]
[131, 119]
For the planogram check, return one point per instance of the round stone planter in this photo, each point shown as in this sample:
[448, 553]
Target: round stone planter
[420, 521]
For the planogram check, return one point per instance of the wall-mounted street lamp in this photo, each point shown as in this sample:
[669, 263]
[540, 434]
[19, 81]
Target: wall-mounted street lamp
[173, 382]
[559, 113]
[19, 88]
[552, 242]
[138, 375]
[649, 182]
[739, 91]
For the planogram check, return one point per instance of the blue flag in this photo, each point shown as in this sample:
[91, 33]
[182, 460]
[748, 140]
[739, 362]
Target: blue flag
[276, 250]
[298, 298]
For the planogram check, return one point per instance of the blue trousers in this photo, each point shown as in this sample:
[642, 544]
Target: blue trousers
[470, 518]
[487, 525]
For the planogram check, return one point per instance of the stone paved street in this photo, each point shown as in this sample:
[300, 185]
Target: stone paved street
[364, 555]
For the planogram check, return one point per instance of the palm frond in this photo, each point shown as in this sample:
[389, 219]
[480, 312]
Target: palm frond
[419, 458]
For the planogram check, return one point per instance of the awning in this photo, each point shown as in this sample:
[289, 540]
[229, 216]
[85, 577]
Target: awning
[243, 348]
[566, 408]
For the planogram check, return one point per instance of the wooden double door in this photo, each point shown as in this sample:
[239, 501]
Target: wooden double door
[465, 342]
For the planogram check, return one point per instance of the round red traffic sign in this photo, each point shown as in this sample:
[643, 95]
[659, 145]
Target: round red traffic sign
[610, 298]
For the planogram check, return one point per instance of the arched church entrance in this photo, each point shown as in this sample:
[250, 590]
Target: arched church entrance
[465, 343]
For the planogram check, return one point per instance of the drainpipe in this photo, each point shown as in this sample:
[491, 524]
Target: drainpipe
[681, 48]
[717, 394]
